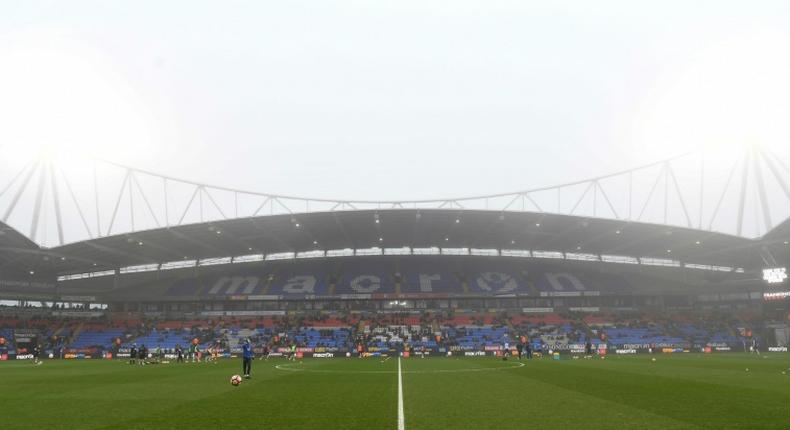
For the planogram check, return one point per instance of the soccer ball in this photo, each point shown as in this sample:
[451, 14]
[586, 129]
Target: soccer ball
[235, 380]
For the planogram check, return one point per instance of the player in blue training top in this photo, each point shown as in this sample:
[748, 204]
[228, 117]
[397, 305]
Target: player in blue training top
[247, 357]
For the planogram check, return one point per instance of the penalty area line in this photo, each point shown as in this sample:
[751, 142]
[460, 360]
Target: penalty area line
[401, 420]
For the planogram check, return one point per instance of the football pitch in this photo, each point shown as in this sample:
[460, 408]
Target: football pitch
[675, 391]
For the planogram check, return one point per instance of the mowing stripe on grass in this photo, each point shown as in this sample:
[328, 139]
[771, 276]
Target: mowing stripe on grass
[401, 420]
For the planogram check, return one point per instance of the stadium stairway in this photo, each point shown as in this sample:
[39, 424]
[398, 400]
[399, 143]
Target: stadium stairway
[588, 332]
[75, 333]
[58, 330]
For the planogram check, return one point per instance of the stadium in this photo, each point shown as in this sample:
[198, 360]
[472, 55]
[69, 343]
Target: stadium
[643, 288]
[340, 292]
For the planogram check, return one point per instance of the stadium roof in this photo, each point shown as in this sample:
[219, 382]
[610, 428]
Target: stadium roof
[392, 228]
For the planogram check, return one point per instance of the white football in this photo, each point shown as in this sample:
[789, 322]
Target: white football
[235, 380]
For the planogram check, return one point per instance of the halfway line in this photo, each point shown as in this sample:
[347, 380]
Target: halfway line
[401, 421]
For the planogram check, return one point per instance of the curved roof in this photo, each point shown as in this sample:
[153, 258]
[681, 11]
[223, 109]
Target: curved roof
[132, 199]
[451, 228]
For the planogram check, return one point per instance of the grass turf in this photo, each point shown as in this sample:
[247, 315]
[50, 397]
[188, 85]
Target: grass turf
[678, 391]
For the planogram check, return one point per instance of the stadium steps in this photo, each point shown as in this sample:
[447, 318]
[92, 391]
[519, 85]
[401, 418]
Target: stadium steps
[76, 333]
[332, 286]
[465, 286]
[267, 285]
[509, 325]
[588, 332]
[58, 331]
[532, 291]
[674, 331]
[733, 331]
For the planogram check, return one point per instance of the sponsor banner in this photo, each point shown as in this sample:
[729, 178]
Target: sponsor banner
[275, 354]
[722, 348]
[24, 284]
[24, 357]
[537, 310]
[323, 355]
[321, 349]
[3, 357]
[715, 344]
[301, 349]
[656, 346]
[25, 332]
[78, 298]
[777, 349]
[241, 313]
[576, 348]
[570, 293]
[460, 348]
[78, 314]
[405, 354]
[299, 354]
[418, 296]
[625, 351]
[585, 309]
[355, 296]
[265, 297]
[560, 293]
[673, 350]
[474, 354]
[84, 351]
[635, 346]
[492, 347]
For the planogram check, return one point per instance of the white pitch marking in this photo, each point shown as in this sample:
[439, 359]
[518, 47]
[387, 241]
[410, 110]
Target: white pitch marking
[401, 420]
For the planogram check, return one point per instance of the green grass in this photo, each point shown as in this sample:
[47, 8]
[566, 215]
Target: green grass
[678, 391]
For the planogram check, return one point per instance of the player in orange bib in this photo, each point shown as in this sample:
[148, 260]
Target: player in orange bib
[215, 353]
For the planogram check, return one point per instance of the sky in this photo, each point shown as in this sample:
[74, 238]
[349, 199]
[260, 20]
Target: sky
[390, 99]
